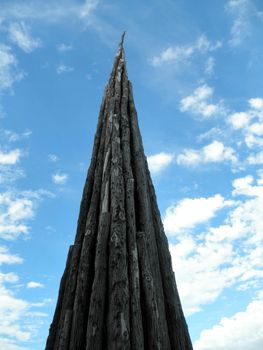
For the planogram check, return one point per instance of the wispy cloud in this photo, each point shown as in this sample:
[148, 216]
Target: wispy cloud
[240, 26]
[183, 53]
[60, 178]
[33, 285]
[53, 158]
[9, 72]
[249, 124]
[7, 258]
[214, 152]
[243, 13]
[64, 47]
[209, 66]
[49, 11]
[213, 133]
[159, 162]
[199, 103]
[20, 35]
[12, 136]
[62, 69]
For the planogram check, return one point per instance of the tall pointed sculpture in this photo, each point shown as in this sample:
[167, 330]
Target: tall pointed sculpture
[118, 289]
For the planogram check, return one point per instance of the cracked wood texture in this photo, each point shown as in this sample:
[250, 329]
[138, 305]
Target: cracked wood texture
[118, 290]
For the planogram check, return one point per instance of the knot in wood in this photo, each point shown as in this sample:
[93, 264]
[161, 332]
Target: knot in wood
[148, 277]
[115, 239]
[88, 232]
[140, 234]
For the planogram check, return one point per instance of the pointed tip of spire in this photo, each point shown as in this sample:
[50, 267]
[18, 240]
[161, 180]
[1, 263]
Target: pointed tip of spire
[121, 43]
[122, 39]
[119, 58]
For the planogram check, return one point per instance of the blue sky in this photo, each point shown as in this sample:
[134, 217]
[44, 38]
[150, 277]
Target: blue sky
[196, 69]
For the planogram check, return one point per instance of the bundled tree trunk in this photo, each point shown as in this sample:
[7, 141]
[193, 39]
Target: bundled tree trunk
[118, 290]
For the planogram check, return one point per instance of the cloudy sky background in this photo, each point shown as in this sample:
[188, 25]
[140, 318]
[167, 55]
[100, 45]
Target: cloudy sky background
[196, 68]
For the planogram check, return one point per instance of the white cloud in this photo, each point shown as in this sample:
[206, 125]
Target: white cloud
[242, 185]
[217, 152]
[20, 209]
[33, 284]
[189, 157]
[12, 310]
[62, 69]
[59, 178]
[7, 258]
[16, 208]
[53, 158]
[9, 72]
[190, 212]
[253, 141]
[239, 120]
[242, 331]
[198, 267]
[256, 103]
[183, 53]
[18, 321]
[9, 171]
[11, 157]
[199, 103]
[214, 152]
[250, 124]
[8, 277]
[20, 35]
[256, 129]
[64, 47]
[158, 162]
[228, 255]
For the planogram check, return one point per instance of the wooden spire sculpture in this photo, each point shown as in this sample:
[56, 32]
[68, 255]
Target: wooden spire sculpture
[118, 290]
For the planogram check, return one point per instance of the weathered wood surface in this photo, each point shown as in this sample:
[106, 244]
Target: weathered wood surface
[118, 291]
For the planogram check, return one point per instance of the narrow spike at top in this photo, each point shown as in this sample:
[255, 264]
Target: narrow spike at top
[118, 290]
[122, 40]
[120, 52]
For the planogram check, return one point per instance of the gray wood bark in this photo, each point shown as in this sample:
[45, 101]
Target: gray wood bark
[118, 290]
